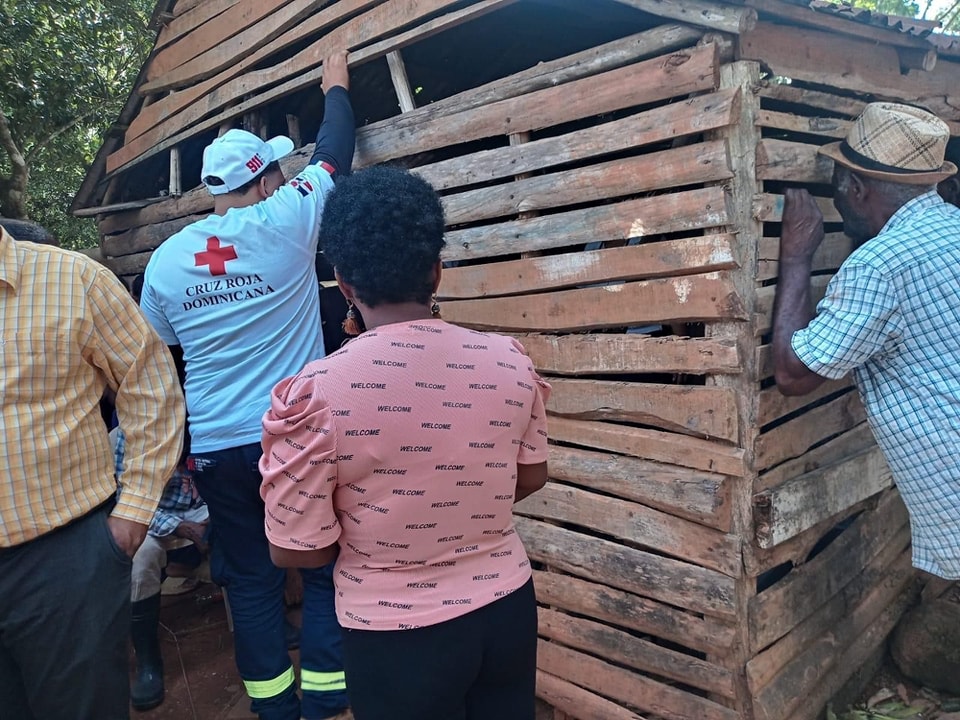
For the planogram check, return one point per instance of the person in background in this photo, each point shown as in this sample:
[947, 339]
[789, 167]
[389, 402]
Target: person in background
[68, 331]
[404, 451]
[891, 314]
[235, 297]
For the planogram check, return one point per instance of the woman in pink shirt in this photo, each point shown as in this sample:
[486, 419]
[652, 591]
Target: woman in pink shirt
[404, 452]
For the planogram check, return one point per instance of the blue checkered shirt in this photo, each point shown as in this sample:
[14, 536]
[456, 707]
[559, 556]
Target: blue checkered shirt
[891, 315]
[174, 503]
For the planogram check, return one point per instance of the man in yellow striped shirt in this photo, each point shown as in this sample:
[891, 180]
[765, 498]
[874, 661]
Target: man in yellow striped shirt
[68, 331]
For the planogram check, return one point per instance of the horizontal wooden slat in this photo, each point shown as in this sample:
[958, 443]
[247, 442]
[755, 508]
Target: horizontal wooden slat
[725, 18]
[186, 19]
[129, 264]
[645, 217]
[637, 571]
[627, 687]
[686, 256]
[829, 256]
[766, 666]
[820, 659]
[808, 125]
[141, 239]
[577, 702]
[694, 298]
[796, 436]
[627, 610]
[775, 405]
[680, 118]
[816, 99]
[787, 510]
[687, 165]
[777, 610]
[637, 524]
[692, 494]
[626, 649]
[792, 162]
[763, 321]
[850, 443]
[651, 444]
[706, 410]
[768, 207]
[606, 354]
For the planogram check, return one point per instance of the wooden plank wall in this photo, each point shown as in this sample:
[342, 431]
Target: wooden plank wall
[830, 545]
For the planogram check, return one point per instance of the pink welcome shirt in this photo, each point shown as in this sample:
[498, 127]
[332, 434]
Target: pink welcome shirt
[403, 447]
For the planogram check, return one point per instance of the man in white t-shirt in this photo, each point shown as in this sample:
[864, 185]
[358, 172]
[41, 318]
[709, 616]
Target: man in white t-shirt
[235, 296]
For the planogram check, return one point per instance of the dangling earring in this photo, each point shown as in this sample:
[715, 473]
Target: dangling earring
[351, 326]
[435, 308]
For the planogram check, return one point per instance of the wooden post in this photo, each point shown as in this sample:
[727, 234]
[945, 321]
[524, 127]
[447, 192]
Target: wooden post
[293, 130]
[398, 73]
[742, 140]
[175, 186]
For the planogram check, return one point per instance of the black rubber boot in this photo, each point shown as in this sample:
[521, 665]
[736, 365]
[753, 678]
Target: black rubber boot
[147, 689]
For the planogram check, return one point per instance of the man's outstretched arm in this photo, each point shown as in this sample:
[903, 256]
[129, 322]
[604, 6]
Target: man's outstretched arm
[336, 138]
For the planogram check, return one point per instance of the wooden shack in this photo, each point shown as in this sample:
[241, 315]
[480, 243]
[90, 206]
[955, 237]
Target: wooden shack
[612, 173]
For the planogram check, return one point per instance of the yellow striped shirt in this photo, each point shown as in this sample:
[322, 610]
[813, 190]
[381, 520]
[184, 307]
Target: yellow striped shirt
[68, 330]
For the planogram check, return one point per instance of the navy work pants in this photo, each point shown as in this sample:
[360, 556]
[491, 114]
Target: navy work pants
[229, 481]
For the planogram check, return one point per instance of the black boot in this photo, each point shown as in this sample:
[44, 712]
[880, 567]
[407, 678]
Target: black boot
[147, 689]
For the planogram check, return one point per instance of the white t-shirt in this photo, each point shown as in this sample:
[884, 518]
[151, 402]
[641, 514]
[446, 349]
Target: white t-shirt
[238, 293]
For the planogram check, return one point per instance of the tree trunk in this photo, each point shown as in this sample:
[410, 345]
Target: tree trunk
[13, 189]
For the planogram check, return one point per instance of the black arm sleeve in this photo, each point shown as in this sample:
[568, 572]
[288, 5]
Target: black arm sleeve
[337, 135]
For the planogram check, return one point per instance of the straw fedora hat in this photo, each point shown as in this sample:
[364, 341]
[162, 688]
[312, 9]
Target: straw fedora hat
[896, 143]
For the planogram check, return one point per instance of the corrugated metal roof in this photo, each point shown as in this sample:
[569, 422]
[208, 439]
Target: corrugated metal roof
[898, 23]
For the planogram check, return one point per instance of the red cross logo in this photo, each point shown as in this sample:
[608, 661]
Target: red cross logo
[216, 257]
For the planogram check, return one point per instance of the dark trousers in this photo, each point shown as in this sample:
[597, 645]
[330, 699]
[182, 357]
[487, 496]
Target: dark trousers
[479, 666]
[229, 481]
[64, 625]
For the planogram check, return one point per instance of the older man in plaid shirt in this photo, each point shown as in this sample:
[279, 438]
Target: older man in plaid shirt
[891, 314]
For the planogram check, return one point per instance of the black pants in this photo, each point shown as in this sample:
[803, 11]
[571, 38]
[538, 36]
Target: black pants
[64, 625]
[480, 666]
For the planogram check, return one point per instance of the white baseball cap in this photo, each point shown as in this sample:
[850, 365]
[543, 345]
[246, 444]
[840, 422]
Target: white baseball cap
[237, 157]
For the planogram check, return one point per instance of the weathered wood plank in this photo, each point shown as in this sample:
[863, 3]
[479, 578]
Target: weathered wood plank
[678, 119]
[686, 256]
[695, 495]
[787, 510]
[188, 19]
[644, 217]
[835, 104]
[148, 237]
[779, 609]
[796, 436]
[792, 686]
[774, 405]
[129, 264]
[631, 611]
[627, 687]
[626, 649]
[607, 354]
[706, 411]
[715, 16]
[208, 60]
[650, 444]
[637, 524]
[809, 125]
[763, 321]
[792, 161]
[566, 697]
[829, 256]
[848, 444]
[687, 165]
[768, 207]
[857, 65]
[637, 571]
[678, 74]
[689, 299]
[890, 561]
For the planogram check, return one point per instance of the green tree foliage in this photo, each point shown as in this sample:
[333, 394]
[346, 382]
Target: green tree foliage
[66, 69]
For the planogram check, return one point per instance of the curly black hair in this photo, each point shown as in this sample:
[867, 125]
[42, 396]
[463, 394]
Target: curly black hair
[382, 229]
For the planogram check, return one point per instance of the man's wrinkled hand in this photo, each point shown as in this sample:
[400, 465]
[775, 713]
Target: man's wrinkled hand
[193, 532]
[802, 226]
[335, 72]
[127, 534]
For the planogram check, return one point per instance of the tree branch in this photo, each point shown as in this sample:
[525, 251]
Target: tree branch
[41, 144]
[10, 145]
